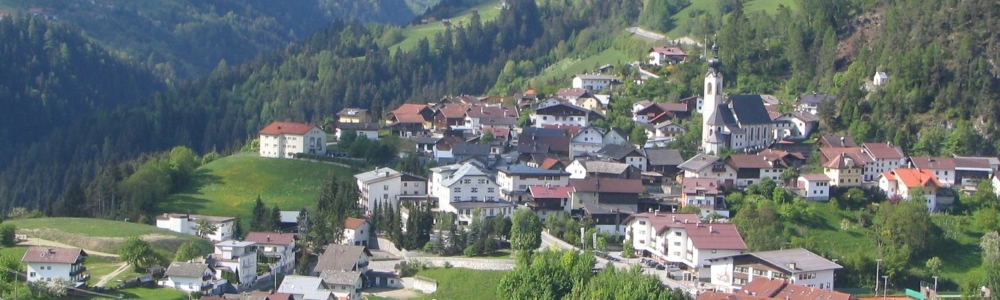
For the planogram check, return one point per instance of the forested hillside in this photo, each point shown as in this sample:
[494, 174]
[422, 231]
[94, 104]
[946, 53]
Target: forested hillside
[187, 38]
[342, 65]
[940, 57]
[50, 76]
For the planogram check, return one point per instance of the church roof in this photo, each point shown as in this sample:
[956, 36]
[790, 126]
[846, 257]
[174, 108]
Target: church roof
[749, 109]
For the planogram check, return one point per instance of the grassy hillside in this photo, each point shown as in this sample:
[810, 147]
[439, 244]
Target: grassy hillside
[711, 6]
[229, 186]
[99, 234]
[487, 11]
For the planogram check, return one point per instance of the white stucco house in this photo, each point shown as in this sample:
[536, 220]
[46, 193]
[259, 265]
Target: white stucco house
[798, 266]
[366, 130]
[880, 78]
[463, 188]
[907, 183]
[277, 248]
[356, 232]
[514, 180]
[683, 239]
[46, 264]
[285, 139]
[814, 186]
[385, 186]
[187, 224]
[593, 82]
[236, 257]
[188, 277]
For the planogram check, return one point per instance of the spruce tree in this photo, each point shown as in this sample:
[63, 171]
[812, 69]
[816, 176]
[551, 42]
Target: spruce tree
[257, 220]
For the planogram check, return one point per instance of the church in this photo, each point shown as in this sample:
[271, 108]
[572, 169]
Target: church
[738, 122]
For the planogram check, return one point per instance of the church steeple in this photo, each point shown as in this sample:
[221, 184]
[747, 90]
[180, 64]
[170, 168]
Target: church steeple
[712, 97]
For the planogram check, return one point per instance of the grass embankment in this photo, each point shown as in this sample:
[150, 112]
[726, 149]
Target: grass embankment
[99, 234]
[458, 283]
[684, 16]
[229, 186]
[961, 260]
[487, 11]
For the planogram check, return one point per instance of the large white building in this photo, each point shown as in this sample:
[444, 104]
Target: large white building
[683, 239]
[277, 248]
[236, 257]
[463, 188]
[285, 139]
[514, 180]
[798, 266]
[386, 185]
[45, 264]
[187, 224]
[885, 157]
[740, 123]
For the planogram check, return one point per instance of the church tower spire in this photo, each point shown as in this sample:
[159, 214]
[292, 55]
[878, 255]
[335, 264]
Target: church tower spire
[712, 97]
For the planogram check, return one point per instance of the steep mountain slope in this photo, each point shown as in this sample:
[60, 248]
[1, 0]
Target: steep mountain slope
[187, 38]
[341, 66]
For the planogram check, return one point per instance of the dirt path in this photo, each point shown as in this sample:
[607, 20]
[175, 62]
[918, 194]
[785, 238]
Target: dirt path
[104, 279]
[40, 242]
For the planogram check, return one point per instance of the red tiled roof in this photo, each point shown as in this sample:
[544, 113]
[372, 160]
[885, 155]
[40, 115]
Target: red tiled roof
[409, 118]
[541, 191]
[409, 109]
[668, 50]
[270, 238]
[663, 221]
[549, 162]
[454, 111]
[715, 236]
[52, 255]
[836, 157]
[571, 92]
[884, 151]
[837, 141]
[354, 223]
[713, 295]
[607, 185]
[569, 128]
[933, 163]
[779, 289]
[276, 128]
[915, 177]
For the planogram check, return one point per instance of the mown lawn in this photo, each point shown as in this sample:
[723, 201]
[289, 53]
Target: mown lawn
[98, 267]
[683, 16]
[487, 11]
[564, 70]
[90, 227]
[961, 258]
[147, 293]
[458, 283]
[229, 186]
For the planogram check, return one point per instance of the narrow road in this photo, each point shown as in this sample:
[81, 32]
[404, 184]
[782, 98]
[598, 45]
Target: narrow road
[41, 243]
[104, 279]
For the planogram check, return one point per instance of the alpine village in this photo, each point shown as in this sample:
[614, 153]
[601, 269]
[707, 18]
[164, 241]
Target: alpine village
[500, 149]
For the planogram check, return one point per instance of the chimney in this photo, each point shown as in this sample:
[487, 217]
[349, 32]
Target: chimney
[711, 229]
[656, 212]
[268, 237]
[698, 224]
[673, 218]
[842, 141]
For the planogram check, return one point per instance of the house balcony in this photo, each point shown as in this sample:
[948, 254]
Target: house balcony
[78, 270]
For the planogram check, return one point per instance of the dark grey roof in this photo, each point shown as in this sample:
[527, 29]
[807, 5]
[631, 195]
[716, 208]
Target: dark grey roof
[542, 111]
[186, 270]
[698, 162]
[664, 157]
[340, 277]
[523, 169]
[359, 126]
[749, 109]
[471, 149]
[528, 131]
[425, 140]
[815, 98]
[604, 167]
[504, 121]
[729, 120]
[617, 152]
[619, 131]
[804, 260]
[340, 257]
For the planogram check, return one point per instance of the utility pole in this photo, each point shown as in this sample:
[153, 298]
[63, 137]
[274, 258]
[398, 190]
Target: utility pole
[885, 287]
[878, 262]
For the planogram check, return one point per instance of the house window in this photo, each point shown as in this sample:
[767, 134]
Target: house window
[405, 183]
[490, 190]
[467, 181]
[475, 190]
[385, 187]
[677, 233]
[642, 222]
[457, 198]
